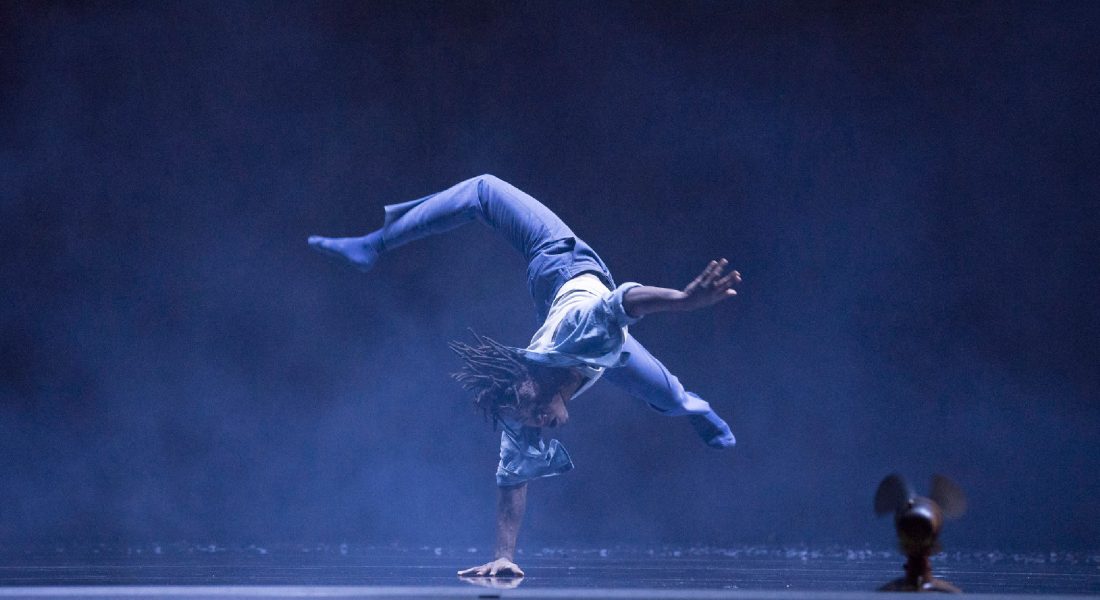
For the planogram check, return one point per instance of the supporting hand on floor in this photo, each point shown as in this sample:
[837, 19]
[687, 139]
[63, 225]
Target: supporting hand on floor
[501, 567]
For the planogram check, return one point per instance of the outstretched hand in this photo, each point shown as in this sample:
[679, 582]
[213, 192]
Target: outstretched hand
[501, 567]
[711, 286]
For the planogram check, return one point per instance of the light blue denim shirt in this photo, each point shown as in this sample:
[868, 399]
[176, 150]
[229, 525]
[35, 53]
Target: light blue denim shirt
[585, 329]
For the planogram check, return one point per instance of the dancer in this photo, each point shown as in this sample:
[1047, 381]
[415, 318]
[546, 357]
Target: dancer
[583, 335]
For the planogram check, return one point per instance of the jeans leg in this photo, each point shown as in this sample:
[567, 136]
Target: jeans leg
[551, 250]
[525, 222]
[644, 377]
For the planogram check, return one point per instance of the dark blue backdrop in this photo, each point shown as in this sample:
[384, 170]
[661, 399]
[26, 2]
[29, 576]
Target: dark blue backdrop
[908, 188]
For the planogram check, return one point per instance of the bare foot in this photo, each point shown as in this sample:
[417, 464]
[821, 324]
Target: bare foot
[359, 252]
[713, 430]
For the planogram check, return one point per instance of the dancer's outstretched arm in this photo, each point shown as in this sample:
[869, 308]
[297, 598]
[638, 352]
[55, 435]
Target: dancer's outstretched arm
[511, 504]
[710, 287]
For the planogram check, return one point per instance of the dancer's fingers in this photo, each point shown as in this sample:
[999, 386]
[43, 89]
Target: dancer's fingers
[731, 278]
[716, 268]
[473, 571]
[708, 273]
[698, 281]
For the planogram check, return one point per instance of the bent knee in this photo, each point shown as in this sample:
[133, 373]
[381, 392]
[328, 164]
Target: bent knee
[491, 188]
[489, 180]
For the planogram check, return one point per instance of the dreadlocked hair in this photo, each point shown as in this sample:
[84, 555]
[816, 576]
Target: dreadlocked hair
[500, 377]
[492, 372]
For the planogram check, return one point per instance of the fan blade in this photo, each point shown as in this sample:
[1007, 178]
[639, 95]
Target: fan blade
[892, 494]
[949, 496]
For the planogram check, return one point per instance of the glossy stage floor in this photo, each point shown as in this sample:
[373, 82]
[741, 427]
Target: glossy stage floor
[350, 571]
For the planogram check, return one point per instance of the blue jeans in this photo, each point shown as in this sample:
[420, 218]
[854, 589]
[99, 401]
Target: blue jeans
[554, 255]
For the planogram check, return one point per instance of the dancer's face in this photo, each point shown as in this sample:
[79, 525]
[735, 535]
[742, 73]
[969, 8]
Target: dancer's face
[548, 407]
[548, 413]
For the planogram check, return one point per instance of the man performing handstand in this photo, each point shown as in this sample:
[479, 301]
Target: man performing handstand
[583, 335]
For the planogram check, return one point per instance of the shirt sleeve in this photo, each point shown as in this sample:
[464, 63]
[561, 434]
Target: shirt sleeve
[525, 456]
[615, 303]
[589, 329]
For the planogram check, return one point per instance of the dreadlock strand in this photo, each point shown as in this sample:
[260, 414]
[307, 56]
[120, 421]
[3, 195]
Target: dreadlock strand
[490, 371]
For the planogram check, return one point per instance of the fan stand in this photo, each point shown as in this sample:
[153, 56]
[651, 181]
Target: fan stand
[919, 578]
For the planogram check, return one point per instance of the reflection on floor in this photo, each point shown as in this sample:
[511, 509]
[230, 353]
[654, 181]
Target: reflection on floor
[348, 570]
